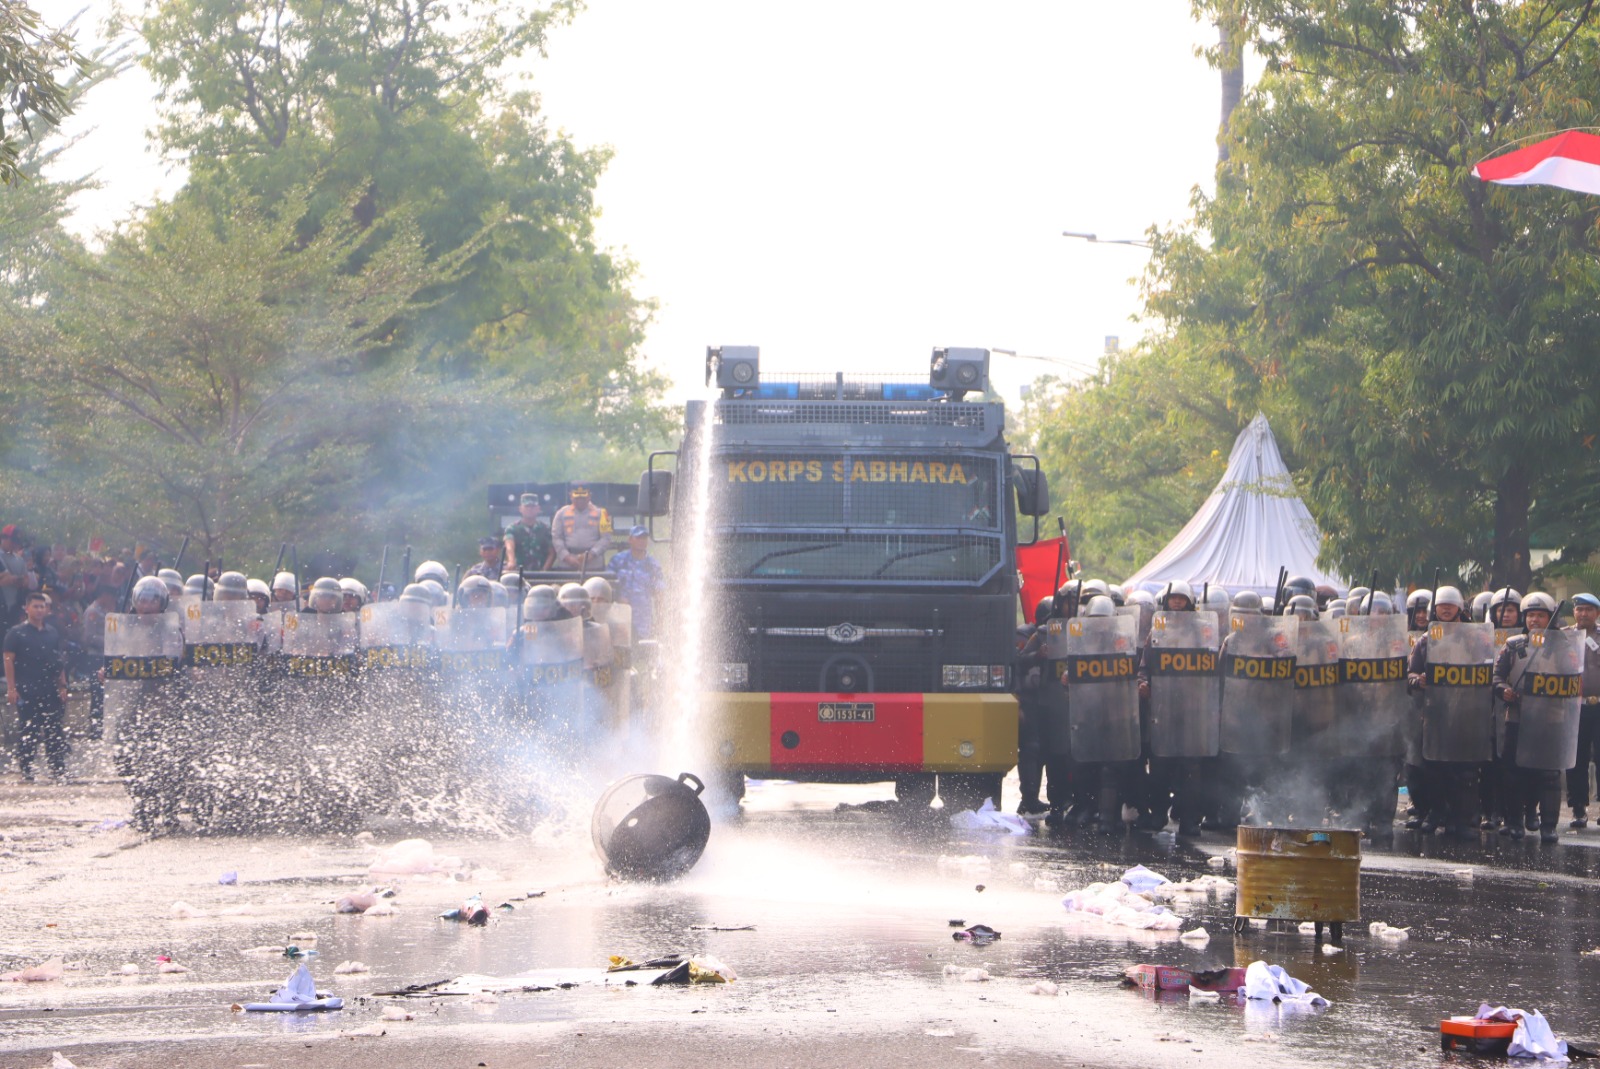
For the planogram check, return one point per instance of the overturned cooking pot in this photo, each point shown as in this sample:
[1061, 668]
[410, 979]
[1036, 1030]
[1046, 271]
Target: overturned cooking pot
[651, 827]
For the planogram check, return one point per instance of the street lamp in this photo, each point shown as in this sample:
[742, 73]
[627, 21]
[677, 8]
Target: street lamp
[1098, 240]
[1075, 365]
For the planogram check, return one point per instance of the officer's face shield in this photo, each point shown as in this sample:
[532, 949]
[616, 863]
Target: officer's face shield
[326, 601]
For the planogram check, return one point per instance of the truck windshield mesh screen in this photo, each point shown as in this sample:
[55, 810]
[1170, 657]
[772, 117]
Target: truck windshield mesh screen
[874, 516]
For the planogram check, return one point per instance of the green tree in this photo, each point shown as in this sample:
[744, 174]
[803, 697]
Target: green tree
[1426, 344]
[31, 56]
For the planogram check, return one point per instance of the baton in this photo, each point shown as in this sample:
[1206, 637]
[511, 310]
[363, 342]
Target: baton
[205, 578]
[383, 563]
[1433, 600]
[282, 548]
[1061, 555]
[178, 564]
[405, 568]
[1371, 590]
[455, 595]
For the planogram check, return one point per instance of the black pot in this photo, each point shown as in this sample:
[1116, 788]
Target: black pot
[651, 827]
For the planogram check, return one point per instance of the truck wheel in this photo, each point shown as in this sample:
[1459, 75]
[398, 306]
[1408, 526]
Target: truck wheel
[967, 790]
[915, 791]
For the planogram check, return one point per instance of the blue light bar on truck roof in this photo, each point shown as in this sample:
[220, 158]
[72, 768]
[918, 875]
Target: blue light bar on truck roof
[829, 391]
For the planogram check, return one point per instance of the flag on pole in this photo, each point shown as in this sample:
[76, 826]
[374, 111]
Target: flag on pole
[1041, 565]
[1570, 160]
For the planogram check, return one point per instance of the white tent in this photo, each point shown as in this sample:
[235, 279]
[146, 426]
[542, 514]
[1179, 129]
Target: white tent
[1252, 524]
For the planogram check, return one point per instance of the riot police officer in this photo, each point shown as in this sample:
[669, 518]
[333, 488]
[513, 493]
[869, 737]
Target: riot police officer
[1031, 670]
[1456, 726]
[1527, 677]
[1177, 674]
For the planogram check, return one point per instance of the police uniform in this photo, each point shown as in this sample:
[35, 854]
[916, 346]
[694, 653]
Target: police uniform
[576, 533]
[38, 669]
[1521, 789]
[1588, 723]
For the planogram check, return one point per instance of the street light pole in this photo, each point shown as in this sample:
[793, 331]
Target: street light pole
[1098, 240]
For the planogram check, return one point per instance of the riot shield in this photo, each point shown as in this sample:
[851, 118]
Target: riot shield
[1055, 730]
[620, 620]
[1258, 684]
[318, 644]
[1182, 664]
[221, 634]
[1141, 616]
[141, 651]
[1314, 716]
[1102, 688]
[1458, 716]
[394, 636]
[1374, 708]
[471, 639]
[222, 644]
[549, 668]
[142, 701]
[1551, 697]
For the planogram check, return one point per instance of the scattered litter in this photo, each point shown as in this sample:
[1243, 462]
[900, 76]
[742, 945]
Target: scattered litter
[129, 969]
[472, 912]
[359, 902]
[722, 928]
[987, 818]
[1258, 922]
[708, 970]
[110, 824]
[1217, 862]
[957, 922]
[183, 911]
[1199, 935]
[298, 994]
[40, 973]
[1329, 948]
[382, 909]
[305, 939]
[676, 969]
[264, 951]
[1533, 1038]
[1174, 978]
[1045, 987]
[345, 968]
[395, 1013]
[293, 951]
[970, 976]
[1307, 928]
[1265, 982]
[980, 888]
[412, 857]
[61, 1061]
[1200, 885]
[485, 998]
[170, 966]
[1141, 879]
[1198, 995]
[1384, 931]
[979, 935]
[1592, 953]
[229, 879]
[1123, 905]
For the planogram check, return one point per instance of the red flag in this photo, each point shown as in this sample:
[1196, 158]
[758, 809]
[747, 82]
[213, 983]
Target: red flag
[1043, 568]
[1570, 160]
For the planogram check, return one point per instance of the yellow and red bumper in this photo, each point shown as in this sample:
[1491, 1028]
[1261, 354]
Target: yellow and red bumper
[793, 734]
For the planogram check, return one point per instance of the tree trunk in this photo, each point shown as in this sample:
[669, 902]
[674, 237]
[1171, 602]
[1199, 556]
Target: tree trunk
[1512, 499]
[1232, 51]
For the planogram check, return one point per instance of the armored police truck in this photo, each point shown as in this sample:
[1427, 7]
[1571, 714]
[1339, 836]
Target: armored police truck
[859, 538]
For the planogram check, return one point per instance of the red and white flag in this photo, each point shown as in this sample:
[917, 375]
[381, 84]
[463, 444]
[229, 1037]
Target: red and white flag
[1570, 160]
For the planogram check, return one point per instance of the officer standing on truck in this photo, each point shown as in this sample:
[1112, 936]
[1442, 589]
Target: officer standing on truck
[528, 544]
[581, 531]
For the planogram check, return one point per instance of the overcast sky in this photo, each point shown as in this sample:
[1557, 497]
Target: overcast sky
[849, 184]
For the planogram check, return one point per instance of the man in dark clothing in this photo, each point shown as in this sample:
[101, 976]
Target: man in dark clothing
[36, 683]
[1586, 611]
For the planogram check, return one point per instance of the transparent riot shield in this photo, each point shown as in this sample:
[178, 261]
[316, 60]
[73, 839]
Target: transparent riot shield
[620, 620]
[1551, 697]
[550, 668]
[1374, 708]
[394, 636]
[221, 634]
[1258, 684]
[1181, 661]
[319, 644]
[1102, 688]
[1141, 615]
[1055, 730]
[144, 702]
[141, 652]
[471, 640]
[1316, 689]
[1458, 715]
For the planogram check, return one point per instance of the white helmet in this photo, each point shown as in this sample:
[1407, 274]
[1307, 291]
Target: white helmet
[326, 596]
[231, 586]
[150, 594]
[355, 588]
[1176, 586]
[435, 591]
[575, 599]
[1448, 595]
[600, 596]
[432, 569]
[286, 581]
[1537, 601]
[1101, 605]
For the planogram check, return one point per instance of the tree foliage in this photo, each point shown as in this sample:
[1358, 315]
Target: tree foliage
[31, 56]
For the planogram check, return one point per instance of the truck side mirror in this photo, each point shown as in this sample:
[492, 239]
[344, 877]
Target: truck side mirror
[655, 493]
[1033, 491]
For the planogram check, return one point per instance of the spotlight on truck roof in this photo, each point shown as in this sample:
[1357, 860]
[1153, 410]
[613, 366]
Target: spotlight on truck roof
[734, 367]
[955, 371]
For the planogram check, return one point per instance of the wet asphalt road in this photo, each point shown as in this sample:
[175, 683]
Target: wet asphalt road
[846, 964]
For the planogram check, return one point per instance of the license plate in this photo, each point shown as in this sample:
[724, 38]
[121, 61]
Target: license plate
[846, 712]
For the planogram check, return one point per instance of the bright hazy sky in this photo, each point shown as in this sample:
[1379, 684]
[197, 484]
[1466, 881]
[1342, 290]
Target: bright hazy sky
[848, 184]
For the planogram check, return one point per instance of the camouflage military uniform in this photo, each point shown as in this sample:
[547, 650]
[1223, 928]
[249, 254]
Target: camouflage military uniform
[530, 544]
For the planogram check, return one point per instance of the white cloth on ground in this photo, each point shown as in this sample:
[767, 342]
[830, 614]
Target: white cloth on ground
[988, 818]
[1534, 1038]
[1273, 983]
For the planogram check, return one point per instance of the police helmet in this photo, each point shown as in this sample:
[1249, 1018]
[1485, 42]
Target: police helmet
[1142, 598]
[1335, 609]
[1540, 601]
[1268, 606]
[1246, 602]
[600, 596]
[232, 586]
[1175, 586]
[286, 581]
[499, 596]
[1418, 599]
[1480, 605]
[1071, 591]
[541, 603]
[1380, 605]
[575, 599]
[475, 592]
[435, 591]
[1095, 588]
[260, 592]
[1042, 611]
[1302, 605]
[1355, 602]
[417, 594]
[1101, 605]
[1217, 600]
[1300, 584]
[199, 584]
[150, 595]
[1505, 596]
[168, 574]
[512, 581]
[1118, 598]
[1449, 595]
[355, 588]
[326, 596]
[432, 569]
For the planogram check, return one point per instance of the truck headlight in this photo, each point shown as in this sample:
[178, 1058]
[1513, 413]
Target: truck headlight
[734, 676]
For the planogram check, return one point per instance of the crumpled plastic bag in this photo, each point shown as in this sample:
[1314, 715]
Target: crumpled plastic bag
[1118, 904]
[298, 994]
[40, 973]
[1271, 983]
[988, 818]
[1142, 880]
[1534, 1038]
